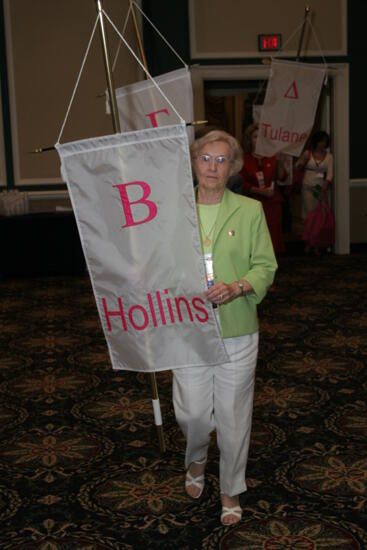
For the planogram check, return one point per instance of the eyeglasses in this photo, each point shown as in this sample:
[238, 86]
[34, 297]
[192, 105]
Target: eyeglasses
[207, 159]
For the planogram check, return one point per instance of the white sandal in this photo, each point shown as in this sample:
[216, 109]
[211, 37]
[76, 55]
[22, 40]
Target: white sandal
[198, 481]
[235, 511]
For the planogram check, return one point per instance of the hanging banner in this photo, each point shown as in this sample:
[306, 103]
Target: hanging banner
[141, 105]
[289, 109]
[134, 204]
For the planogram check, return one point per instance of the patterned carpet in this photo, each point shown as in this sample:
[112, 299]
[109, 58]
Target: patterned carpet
[80, 466]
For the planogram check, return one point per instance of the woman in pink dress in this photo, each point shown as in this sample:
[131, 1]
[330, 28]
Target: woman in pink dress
[316, 163]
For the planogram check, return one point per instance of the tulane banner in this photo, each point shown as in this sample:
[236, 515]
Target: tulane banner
[134, 203]
[288, 113]
[142, 105]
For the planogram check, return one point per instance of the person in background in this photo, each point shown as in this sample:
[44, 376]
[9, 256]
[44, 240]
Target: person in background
[259, 176]
[317, 165]
[240, 267]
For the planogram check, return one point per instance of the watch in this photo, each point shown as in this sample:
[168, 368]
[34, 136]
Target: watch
[241, 287]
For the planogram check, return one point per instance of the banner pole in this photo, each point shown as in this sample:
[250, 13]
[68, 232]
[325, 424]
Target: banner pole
[307, 11]
[117, 129]
[138, 37]
[107, 64]
[153, 379]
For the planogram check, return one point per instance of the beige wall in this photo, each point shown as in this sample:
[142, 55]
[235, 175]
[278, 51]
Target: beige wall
[46, 42]
[229, 29]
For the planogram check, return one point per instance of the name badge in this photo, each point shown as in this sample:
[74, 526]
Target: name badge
[260, 179]
[208, 259]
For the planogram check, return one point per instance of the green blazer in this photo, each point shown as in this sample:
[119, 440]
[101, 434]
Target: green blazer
[242, 249]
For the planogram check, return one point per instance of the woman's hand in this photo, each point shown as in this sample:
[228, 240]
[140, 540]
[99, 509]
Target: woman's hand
[303, 160]
[325, 186]
[222, 293]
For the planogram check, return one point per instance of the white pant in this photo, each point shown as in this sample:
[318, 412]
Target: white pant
[219, 397]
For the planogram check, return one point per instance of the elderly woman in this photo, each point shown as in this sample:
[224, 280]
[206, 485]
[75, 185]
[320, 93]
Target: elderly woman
[240, 266]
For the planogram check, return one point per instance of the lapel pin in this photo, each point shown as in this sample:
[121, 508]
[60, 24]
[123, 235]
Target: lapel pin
[231, 232]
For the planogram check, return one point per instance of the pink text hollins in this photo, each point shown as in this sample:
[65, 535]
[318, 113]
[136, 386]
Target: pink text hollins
[164, 311]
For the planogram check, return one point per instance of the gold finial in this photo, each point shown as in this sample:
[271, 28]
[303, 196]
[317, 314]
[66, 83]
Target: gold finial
[196, 122]
[41, 149]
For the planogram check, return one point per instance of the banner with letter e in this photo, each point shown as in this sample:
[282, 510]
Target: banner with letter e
[134, 204]
[289, 109]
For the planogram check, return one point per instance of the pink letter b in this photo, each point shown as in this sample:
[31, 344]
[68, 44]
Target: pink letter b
[126, 203]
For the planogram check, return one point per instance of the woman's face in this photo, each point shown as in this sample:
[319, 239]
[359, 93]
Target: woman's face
[321, 145]
[213, 165]
[254, 139]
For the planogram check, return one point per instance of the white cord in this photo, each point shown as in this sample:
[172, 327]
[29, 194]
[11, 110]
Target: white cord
[284, 45]
[290, 38]
[273, 57]
[319, 46]
[78, 79]
[317, 41]
[160, 34]
[120, 43]
[142, 66]
[154, 27]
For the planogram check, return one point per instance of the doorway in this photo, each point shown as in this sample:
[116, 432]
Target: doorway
[334, 107]
[229, 105]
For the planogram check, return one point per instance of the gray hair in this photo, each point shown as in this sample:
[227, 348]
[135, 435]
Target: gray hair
[219, 135]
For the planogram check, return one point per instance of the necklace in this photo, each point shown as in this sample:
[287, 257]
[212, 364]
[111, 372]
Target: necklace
[319, 161]
[207, 240]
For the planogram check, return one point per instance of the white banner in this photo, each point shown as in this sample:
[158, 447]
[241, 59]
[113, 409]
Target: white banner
[134, 203]
[141, 105]
[289, 108]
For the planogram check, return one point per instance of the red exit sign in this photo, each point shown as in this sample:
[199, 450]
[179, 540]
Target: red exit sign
[269, 42]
